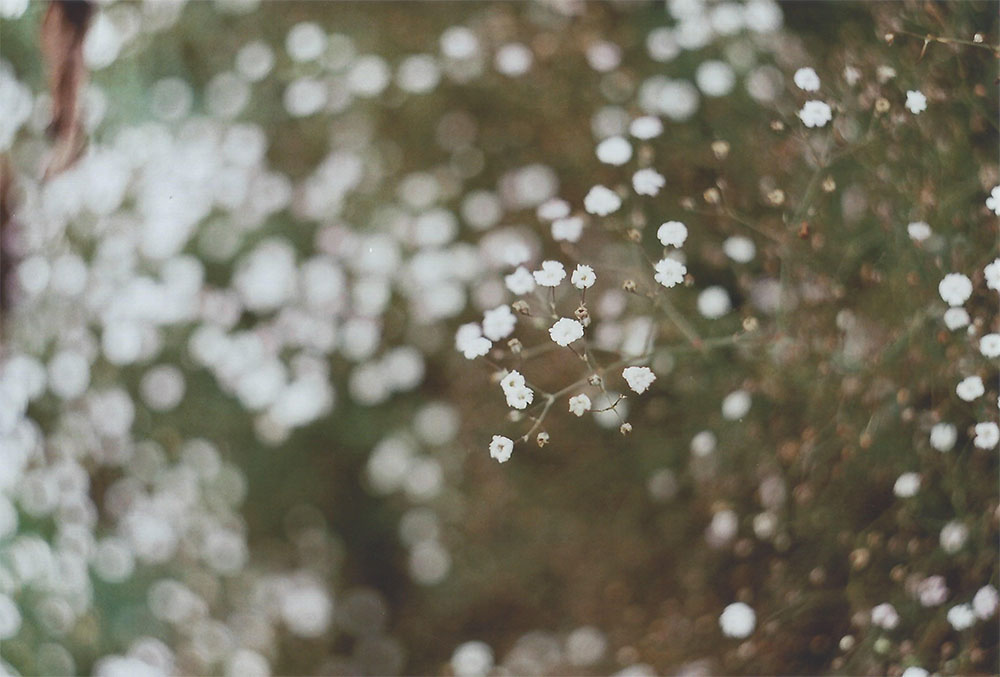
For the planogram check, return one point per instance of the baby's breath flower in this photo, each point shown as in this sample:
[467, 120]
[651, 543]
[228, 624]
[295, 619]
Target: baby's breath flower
[739, 248]
[601, 201]
[806, 80]
[519, 398]
[992, 273]
[714, 302]
[906, 485]
[985, 602]
[614, 151]
[550, 275]
[885, 616]
[737, 620]
[498, 323]
[932, 591]
[970, 388]
[993, 201]
[583, 277]
[579, 404]
[943, 436]
[815, 114]
[469, 341]
[512, 381]
[672, 234]
[956, 318]
[961, 617]
[916, 102]
[568, 229]
[565, 331]
[501, 448]
[552, 209]
[648, 181]
[918, 231]
[645, 128]
[987, 435]
[953, 536]
[955, 289]
[638, 378]
[520, 281]
[669, 272]
[989, 345]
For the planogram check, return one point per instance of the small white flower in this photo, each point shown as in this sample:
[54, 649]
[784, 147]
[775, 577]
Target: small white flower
[737, 620]
[501, 448]
[815, 114]
[672, 234]
[552, 209]
[714, 302]
[469, 341]
[987, 435]
[906, 485]
[736, 405]
[565, 331]
[918, 231]
[932, 591]
[961, 617]
[520, 282]
[645, 128]
[638, 378]
[955, 289]
[579, 404]
[740, 249]
[993, 201]
[992, 273]
[583, 277]
[956, 318]
[519, 398]
[916, 102]
[551, 274]
[648, 181]
[914, 671]
[806, 80]
[498, 323]
[985, 602]
[669, 272]
[943, 436]
[970, 388]
[568, 229]
[512, 381]
[885, 616]
[953, 536]
[601, 201]
[851, 75]
[989, 345]
[614, 150]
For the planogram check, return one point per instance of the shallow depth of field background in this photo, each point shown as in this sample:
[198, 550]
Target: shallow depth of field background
[380, 522]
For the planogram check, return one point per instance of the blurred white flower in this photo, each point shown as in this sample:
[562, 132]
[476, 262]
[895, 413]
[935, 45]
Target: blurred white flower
[989, 345]
[806, 79]
[520, 282]
[918, 231]
[647, 181]
[498, 323]
[961, 617]
[885, 616]
[615, 150]
[567, 229]
[953, 536]
[714, 302]
[943, 436]
[906, 485]
[955, 289]
[737, 620]
[987, 435]
[736, 405]
[970, 388]
[601, 201]
[985, 602]
[815, 114]
[916, 102]
[550, 275]
[956, 318]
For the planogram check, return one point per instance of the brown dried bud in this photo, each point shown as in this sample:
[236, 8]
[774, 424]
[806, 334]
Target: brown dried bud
[626, 428]
[594, 380]
[542, 439]
[634, 235]
[829, 185]
[776, 197]
[521, 306]
[515, 346]
[712, 196]
[720, 149]
[777, 126]
[882, 105]
[629, 286]
[583, 315]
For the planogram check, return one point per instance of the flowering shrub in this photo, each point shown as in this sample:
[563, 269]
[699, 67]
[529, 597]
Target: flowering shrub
[716, 283]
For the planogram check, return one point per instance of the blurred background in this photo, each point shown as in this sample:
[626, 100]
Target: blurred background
[235, 434]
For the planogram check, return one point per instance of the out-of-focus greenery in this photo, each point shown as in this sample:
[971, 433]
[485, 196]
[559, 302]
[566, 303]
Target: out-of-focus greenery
[846, 378]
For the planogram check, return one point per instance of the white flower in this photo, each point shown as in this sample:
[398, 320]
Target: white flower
[648, 181]
[645, 128]
[614, 150]
[815, 114]
[736, 405]
[669, 272]
[851, 75]
[987, 435]
[953, 536]
[740, 249]
[714, 302]
[956, 318]
[885, 616]
[961, 617]
[551, 274]
[498, 323]
[579, 404]
[955, 289]
[914, 671]
[970, 388]
[943, 436]
[932, 591]
[512, 381]
[993, 201]
[916, 102]
[989, 345]
[501, 448]
[672, 234]
[806, 80]
[519, 398]
[907, 485]
[602, 201]
[992, 273]
[737, 620]
[918, 231]
[469, 341]
[569, 229]
[565, 331]
[552, 209]
[583, 277]
[520, 281]
[638, 378]
[985, 602]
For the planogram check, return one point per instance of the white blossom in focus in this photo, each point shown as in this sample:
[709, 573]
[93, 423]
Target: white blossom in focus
[501, 448]
[565, 331]
[583, 277]
[815, 114]
[638, 378]
[669, 272]
[579, 404]
[601, 201]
